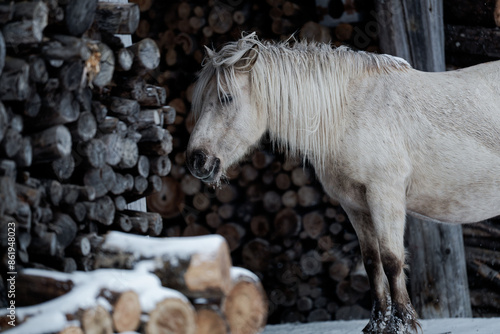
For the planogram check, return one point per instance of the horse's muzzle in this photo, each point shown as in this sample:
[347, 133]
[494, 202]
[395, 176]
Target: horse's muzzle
[203, 166]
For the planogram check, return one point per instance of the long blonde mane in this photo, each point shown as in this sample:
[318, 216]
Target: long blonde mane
[299, 86]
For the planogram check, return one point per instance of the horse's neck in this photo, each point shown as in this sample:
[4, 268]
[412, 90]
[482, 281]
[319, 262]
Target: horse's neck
[313, 121]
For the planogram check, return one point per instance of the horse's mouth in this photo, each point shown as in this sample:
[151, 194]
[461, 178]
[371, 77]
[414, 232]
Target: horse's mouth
[215, 174]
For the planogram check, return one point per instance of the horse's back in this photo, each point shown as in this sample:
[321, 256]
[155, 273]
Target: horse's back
[448, 124]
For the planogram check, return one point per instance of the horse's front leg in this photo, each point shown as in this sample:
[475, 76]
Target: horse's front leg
[387, 205]
[370, 251]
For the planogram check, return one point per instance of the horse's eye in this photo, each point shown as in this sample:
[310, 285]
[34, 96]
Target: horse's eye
[226, 99]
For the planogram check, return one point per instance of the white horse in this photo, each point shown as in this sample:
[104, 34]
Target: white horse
[385, 140]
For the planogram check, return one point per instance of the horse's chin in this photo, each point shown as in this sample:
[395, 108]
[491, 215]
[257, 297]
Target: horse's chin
[213, 179]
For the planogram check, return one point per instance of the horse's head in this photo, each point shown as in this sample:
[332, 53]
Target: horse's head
[227, 121]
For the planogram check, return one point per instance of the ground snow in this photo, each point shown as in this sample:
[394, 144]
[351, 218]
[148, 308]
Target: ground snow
[433, 326]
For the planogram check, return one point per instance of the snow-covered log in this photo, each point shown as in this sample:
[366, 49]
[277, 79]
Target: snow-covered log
[195, 266]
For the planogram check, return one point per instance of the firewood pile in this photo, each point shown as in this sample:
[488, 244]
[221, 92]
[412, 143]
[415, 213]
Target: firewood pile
[482, 250]
[162, 285]
[82, 130]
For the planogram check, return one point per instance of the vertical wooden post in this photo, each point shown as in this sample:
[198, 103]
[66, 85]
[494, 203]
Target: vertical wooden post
[413, 30]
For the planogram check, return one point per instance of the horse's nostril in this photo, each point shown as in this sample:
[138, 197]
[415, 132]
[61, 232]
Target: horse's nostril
[198, 159]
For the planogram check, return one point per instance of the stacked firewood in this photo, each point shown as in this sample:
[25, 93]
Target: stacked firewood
[82, 132]
[163, 285]
[482, 250]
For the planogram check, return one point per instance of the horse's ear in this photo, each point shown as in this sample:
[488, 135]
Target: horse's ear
[210, 52]
[247, 61]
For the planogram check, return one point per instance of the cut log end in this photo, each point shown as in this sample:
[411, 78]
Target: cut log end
[173, 316]
[246, 306]
[126, 314]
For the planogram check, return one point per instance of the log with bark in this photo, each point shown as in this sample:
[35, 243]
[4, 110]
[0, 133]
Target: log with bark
[197, 267]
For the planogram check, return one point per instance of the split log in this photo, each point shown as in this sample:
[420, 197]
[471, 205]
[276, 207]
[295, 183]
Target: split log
[160, 165]
[78, 15]
[289, 199]
[211, 320]
[125, 59]
[29, 194]
[24, 155]
[62, 168]
[93, 152]
[38, 70]
[344, 31]
[146, 54]
[310, 263]
[315, 32]
[101, 211]
[6, 12]
[123, 222]
[29, 21]
[79, 247]
[34, 289]
[67, 48]
[194, 230]
[169, 200]
[151, 221]
[101, 179]
[259, 226]
[197, 266]
[489, 257]
[482, 298]
[85, 128]
[256, 254]
[51, 144]
[245, 306]
[126, 309]
[14, 81]
[106, 65]
[72, 193]
[220, 19]
[58, 107]
[11, 143]
[117, 18]
[272, 201]
[486, 272]
[95, 320]
[65, 229]
[308, 196]
[287, 223]
[314, 224]
[164, 304]
[233, 233]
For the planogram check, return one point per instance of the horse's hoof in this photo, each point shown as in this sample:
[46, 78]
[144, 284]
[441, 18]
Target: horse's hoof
[376, 325]
[402, 321]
